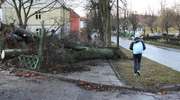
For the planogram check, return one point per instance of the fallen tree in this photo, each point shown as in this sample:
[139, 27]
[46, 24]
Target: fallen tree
[11, 53]
[70, 50]
[68, 56]
[11, 36]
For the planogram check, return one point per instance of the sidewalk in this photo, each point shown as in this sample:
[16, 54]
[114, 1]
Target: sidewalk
[102, 73]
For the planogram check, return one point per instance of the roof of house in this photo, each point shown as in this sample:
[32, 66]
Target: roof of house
[73, 13]
[83, 19]
[39, 4]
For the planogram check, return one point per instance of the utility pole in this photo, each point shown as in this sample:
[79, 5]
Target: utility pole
[118, 23]
[125, 15]
[62, 18]
[63, 24]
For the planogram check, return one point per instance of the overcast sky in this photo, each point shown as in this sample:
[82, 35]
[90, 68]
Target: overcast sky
[78, 6]
[141, 6]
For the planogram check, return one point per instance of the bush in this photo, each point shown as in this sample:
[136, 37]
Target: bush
[126, 34]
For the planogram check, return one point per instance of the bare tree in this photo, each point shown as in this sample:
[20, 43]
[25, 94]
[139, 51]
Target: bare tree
[105, 18]
[177, 21]
[24, 11]
[102, 17]
[150, 21]
[134, 21]
[93, 15]
[101, 12]
[167, 17]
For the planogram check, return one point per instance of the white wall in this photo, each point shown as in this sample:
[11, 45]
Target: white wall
[83, 24]
[1, 14]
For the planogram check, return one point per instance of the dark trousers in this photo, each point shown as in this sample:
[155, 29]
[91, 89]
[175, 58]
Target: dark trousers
[137, 62]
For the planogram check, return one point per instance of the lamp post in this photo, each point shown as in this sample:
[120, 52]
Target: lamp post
[118, 23]
[63, 19]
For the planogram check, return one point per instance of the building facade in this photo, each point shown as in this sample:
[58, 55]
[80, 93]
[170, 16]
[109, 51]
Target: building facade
[75, 22]
[56, 18]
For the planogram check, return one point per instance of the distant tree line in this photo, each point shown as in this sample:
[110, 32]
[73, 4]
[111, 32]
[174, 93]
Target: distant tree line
[103, 19]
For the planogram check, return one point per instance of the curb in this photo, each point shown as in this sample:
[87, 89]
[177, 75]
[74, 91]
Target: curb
[77, 82]
[115, 71]
[110, 87]
[174, 87]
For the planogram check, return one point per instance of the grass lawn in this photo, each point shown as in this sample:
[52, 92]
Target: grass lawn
[153, 75]
[163, 44]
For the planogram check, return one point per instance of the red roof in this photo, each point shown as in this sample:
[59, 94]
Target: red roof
[73, 13]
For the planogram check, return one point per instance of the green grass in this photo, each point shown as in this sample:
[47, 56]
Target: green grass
[153, 75]
[163, 44]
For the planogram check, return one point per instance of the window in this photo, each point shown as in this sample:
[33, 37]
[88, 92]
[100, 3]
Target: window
[38, 15]
[38, 31]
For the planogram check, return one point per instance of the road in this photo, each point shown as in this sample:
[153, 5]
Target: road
[44, 88]
[166, 56]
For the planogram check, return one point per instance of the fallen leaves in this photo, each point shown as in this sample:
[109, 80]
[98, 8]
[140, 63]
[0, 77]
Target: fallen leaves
[92, 86]
[29, 74]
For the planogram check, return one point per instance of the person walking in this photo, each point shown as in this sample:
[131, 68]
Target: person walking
[137, 47]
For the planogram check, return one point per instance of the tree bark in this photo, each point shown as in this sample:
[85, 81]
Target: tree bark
[105, 14]
[167, 34]
[151, 28]
[9, 53]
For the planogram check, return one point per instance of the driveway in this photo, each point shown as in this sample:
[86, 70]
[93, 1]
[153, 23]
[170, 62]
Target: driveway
[166, 56]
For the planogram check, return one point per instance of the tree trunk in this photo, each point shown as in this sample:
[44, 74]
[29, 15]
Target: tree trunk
[25, 23]
[167, 33]
[134, 31]
[144, 31]
[9, 53]
[156, 29]
[105, 16]
[100, 20]
[178, 28]
[151, 28]
[108, 32]
[42, 46]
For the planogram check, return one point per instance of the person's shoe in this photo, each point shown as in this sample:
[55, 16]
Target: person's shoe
[135, 74]
[138, 73]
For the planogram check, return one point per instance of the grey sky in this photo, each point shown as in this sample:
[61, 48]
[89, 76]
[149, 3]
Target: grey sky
[141, 6]
[78, 6]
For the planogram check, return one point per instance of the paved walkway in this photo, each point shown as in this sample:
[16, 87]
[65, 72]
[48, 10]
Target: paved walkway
[166, 56]
[102, 73]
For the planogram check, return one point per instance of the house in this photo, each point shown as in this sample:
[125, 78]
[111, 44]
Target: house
[177, 7]
[75, 22]
[83, 29]
[57, 19]
[83, 22]
[78, 25]
[1, 2]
